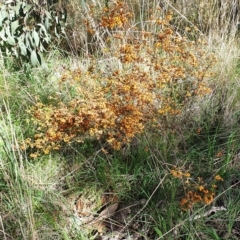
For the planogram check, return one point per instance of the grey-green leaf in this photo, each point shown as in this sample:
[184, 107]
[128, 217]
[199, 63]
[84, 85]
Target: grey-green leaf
[14, 26]
[8, 52]
[34, 58]
[56, 32]
[48, 14]
[2, 34]
[11, 40]
[42, 61]
[11, 15]
[22, 48]
[42, 48]
[36, 37]
[8, 33]
[46, 22]
[18, 7]
[4, 14]
[42, 29]
[14, 51]
[27, 8]
[32, 43]
[1, 19]
[28, 45]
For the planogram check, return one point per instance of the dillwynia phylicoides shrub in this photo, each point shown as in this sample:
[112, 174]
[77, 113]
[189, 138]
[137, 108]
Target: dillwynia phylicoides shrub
[196, 192]
[158, 73]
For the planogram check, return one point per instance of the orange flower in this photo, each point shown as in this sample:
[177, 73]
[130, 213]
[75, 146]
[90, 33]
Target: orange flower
[187, 175]
[199, 130]
[219, 154]
[209, 198]
[218, 178]
[176, 174]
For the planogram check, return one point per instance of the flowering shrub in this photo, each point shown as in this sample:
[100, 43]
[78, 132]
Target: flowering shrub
[158, 73]
[117, 16]
[196, 192]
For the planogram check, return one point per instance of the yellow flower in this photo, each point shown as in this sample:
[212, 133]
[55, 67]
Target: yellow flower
[34, 155]
[205, 191]
[177, 174]
[187, 175]
[219, 154]
[218, 178]
[183, 202]
[199, 130]
[209, 198]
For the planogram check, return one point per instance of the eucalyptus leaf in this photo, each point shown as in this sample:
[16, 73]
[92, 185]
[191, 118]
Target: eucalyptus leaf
[36, 37]
[9, 1]
[31, 40]
[47, 39]
[25, 28]
[2, 34]
[14, 51]
[48, 15]
[4, 14]
[46, 23]
[27, 8]
[34, 58]
[23, 48]
[11, 40]
[14, 26]
[42, 29]
[8, 33]
[23, 4]
[63, 30]
[57, 20]
[28, 45]
[42, 60]
[18, 7]
[41, 48]
[56, 32]
[8, 52]
[12, 15]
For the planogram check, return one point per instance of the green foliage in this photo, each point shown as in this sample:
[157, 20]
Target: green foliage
[27, 27]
